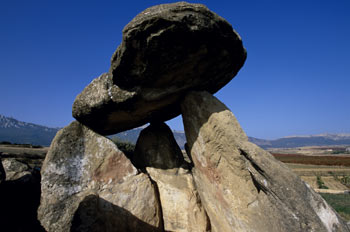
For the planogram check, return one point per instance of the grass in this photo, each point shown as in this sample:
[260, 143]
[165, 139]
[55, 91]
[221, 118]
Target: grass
[126, 147]
[320, 183]
[339, 202]
[345, 180]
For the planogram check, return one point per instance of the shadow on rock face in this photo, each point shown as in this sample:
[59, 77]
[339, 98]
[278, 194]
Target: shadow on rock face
[19, 201]
[95, 214]
[231, 171]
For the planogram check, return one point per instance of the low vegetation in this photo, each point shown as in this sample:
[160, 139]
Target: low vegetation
[345, 180]
[339, 202]
[5, 143]
[340, 150]
[26, 145]
[320, 183]
[125, 146]
[318, 169]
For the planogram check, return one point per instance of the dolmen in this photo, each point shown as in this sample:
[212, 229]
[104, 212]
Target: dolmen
[172, 59]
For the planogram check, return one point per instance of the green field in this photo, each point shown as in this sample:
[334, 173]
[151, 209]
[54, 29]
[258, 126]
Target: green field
[339, 202]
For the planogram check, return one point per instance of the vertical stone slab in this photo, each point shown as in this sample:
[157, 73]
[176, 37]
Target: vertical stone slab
[158, 152]
[242, 187]
[88, 184]
[181, 205]
[156, 147]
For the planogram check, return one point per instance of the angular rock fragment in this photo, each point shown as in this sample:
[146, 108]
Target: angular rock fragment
[15, 169]
[156, 149]
[166, 51]
[242, 187]
[19, 196]
[88, 184]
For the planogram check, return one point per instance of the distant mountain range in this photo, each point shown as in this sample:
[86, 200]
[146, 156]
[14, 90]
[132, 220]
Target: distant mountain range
[15, 131]
[302, 141]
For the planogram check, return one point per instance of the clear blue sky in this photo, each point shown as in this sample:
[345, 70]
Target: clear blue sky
[295, 79]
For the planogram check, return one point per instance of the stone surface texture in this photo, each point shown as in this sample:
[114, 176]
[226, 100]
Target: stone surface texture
[15, 169]
[166, 51]
[157, 151]
[242, 187]
[156, 147]
[88, 184]
[181, 206]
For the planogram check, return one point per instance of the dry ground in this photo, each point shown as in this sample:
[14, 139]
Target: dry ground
[326, 171]
[317, 168]
[17, 149]
[34, 157]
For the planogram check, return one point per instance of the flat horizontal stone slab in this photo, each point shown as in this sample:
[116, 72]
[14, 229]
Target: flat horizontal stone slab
[108, 109]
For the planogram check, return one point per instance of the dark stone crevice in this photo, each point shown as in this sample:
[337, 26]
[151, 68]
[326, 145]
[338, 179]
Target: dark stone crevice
[157, 195]
[19, 200]
[259, 187]
[252, 162]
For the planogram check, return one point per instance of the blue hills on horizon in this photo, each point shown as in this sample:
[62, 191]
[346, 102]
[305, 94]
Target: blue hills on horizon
[15, 131]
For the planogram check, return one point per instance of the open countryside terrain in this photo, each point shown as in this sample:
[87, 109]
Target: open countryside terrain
[29, 156]
[325, 169]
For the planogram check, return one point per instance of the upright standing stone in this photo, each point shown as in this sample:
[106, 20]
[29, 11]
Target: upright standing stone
[242, 187]
[181, 205]
[88, 184]
[161, 156]
[156, 147]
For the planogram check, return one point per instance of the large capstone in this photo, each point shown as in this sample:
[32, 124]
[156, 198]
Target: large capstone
[88, 184]
[166, 51]
[243, 187]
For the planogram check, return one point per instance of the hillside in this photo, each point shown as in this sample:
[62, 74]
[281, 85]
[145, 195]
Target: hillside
[15, 131]
[302, 141]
